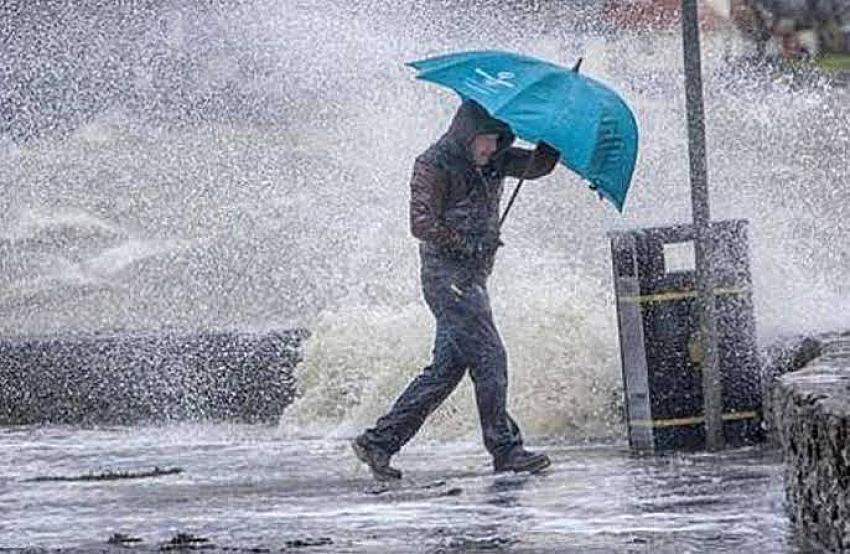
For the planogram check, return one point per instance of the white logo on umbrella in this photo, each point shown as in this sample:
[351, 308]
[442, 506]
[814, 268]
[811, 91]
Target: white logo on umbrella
[487, 83]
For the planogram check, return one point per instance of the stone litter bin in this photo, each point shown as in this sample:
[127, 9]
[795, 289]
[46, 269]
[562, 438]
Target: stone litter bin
[655, 285]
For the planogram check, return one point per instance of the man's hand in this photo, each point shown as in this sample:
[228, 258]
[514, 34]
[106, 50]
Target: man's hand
[547, 150]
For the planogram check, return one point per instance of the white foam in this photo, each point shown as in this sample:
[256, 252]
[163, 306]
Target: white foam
[563, 370]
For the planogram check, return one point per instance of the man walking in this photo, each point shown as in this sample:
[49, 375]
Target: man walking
[454, 212]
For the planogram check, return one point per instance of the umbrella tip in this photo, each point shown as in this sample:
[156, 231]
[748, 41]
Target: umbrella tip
[578, 65]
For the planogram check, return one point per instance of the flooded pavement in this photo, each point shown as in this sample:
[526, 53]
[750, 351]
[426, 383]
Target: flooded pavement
[244, 488]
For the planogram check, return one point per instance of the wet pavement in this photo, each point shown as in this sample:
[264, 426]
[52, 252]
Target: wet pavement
[247, 489]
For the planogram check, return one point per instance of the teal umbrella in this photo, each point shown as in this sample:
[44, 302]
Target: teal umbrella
[590, 124]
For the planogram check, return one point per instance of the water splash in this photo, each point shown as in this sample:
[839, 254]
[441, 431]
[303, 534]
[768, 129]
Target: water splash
[246, 166]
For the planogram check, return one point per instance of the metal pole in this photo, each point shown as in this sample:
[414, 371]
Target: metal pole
[711, 386]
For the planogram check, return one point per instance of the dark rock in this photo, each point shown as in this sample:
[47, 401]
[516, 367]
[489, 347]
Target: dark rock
[187, 541]
[127, 378]
[122, 539]
[112, 475]
[303, 543]
[465, 544]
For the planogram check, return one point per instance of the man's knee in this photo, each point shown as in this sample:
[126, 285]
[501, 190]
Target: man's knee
[495, 355]
[444, 374]
[491, 370]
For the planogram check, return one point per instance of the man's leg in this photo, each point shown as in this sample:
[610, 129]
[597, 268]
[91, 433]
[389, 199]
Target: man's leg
[481, 342]
[421, 397]
[489, 372]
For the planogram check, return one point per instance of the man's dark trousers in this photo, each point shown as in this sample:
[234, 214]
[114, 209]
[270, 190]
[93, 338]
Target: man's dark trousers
[466, 337]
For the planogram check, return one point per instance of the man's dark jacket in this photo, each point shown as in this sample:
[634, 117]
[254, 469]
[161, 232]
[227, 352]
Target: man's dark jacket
[454, 205]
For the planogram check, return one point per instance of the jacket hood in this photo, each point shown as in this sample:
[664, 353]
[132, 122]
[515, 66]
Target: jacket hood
[472, 119]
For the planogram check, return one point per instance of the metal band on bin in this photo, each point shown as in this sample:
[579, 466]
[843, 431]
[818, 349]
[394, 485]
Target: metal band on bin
[678, 295]
[682, 421]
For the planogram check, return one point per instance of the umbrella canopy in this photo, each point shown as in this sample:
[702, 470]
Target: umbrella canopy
[590, 125]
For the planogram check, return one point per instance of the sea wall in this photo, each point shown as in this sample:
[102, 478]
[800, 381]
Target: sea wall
[126, 378]
[811, 412]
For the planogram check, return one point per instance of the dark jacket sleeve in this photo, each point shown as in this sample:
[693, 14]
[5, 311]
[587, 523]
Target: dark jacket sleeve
[427, 200]
[516, 161]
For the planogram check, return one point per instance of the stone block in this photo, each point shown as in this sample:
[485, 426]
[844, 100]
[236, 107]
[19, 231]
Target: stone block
[812, 417]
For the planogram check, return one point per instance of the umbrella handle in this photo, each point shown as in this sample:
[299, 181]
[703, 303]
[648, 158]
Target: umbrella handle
[518, 185]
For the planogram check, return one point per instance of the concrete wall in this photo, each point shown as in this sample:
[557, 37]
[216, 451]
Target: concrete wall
[783, 356]
[811, 410]
[128, 378]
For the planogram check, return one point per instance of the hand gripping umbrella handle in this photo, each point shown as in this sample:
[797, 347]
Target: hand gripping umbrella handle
[518, 185]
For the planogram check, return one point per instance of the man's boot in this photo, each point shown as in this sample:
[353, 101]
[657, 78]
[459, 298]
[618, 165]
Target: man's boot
[521, 459]
[377, 460]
